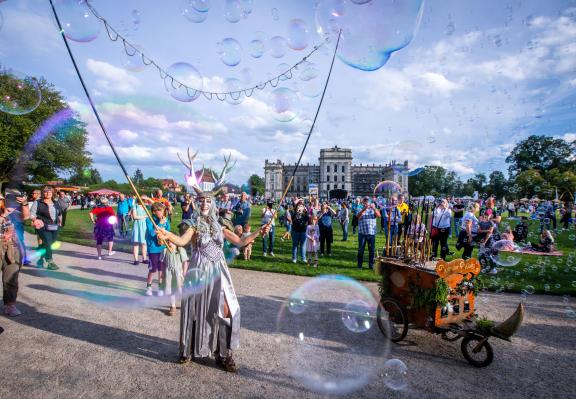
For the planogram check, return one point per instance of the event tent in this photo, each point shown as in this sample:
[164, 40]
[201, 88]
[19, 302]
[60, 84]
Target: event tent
[104, 191]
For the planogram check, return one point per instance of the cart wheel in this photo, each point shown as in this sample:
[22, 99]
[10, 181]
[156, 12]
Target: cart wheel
[392, 319]
[450, 336]
[477, 356]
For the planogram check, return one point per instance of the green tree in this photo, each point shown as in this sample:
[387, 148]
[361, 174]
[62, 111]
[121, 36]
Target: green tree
[478, 182]
[63, 152]
[497, 184]
[87, 177]
[256, 184]
[530, 183]
[541, 153]
[434, 180]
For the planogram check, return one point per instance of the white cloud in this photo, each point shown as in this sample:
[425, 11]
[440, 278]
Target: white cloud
[127, 135]
[114, 79]
[439, 82]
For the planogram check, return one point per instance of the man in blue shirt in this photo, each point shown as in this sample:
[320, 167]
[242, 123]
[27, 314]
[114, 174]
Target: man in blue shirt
[355, 208]
[122, 213]
[242, 211]
[367, 231]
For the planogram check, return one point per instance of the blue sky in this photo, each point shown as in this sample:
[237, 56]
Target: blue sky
[477, 78]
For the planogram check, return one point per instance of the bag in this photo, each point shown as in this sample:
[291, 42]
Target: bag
[52, 227]
[434, 232]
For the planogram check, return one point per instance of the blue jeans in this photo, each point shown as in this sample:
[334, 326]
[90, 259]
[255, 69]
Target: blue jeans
[344, 232]
[299, 241]
[457, 225]
[268, 239]
[362, 240]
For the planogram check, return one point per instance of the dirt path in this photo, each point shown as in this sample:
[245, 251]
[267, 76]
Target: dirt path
[74, 341]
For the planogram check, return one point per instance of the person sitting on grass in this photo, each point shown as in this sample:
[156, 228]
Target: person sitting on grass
[246, 250]
[546, 243]
[521, 230]
[174, 268]
[507, 234]
[104, 219]
[155, 248]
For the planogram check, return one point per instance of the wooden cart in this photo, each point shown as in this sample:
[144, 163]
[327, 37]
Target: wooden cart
[439, 297]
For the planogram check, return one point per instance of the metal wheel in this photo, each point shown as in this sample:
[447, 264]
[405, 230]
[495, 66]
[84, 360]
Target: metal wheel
[392, 319]
[450, 336]
[477, 351]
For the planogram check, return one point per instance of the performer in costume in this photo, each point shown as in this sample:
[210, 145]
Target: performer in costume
[210, 317]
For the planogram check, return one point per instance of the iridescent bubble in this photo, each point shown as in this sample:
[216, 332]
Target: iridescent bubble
[233, 11]
[360, 1]
[19, 93]
[387, 188]
[369, 34]
[323, 349]
[200, 5]
[191, 12]
[570, 313]
[281, 69]
[296, 305]
[298, 34]
[187, 75]
[557, 286]
[78, 22]
[257, 48]
[247, 6]
[277, 46]
[136, 17]
[275, 14]
[282, 103]
[195, 281]
[529, 289]
[311, 87]
[234, 86]
[133, 63]
[246, 75]
[395, 372]
[505, 253]
[112, 220]
[230, 51]
[358, 316]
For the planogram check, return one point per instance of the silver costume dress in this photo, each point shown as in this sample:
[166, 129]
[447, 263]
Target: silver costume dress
[203, 327]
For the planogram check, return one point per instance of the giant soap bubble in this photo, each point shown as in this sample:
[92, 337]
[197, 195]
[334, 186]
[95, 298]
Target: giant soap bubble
[234, 86]
[233, 11]
[186, 74]
[277, 46]
[297, 34]
[388, 188]
[327, 334]
[505, 253]
[19, 93]
[78, 22]
[282, 102]
[230, 51]
[371, 32]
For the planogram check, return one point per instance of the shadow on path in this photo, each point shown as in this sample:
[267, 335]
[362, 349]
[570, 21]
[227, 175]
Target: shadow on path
[101, 272]
[136, 344]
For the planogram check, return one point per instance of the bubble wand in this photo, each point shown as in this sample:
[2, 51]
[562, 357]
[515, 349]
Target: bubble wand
[102, 124]
[309, 133]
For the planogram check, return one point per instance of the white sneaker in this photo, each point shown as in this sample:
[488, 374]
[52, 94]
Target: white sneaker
[264, 254]
[148, 291]
[272, 254]
[293, 260]
[99, 258]
[112, 253]
[12, 311]
[160, 292]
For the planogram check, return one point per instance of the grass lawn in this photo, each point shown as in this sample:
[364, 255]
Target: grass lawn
[538, 274]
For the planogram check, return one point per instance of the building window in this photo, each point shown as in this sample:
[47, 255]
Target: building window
[328, 187]
[343, 178]
[328, 168]
[343, 169]
[328, 178]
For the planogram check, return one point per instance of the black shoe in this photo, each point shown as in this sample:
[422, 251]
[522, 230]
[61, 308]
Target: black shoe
[135, 263]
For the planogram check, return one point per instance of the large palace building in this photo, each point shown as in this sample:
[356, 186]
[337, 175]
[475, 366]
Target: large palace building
[334, 177]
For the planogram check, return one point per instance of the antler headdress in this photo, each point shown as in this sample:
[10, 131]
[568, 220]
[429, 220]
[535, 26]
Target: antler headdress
[194, 181]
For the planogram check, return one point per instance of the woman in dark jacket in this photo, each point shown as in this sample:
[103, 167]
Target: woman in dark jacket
[46, 219]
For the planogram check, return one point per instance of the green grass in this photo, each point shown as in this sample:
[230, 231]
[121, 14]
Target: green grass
[553, 275]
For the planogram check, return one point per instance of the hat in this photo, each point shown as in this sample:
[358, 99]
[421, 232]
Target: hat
[104, 200]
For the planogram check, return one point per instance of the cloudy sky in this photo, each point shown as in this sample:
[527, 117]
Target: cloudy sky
[477, 77]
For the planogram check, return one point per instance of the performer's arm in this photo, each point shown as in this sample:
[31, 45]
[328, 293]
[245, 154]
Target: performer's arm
[242, 242]
[181, 241]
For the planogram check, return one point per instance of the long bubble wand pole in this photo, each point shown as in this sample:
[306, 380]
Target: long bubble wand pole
[101, 123]
[309, 133]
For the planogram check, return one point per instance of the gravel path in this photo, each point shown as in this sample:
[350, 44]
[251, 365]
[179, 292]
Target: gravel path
[79, 338]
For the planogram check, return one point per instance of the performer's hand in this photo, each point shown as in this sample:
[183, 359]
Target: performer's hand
[264, 230]
[161, 233]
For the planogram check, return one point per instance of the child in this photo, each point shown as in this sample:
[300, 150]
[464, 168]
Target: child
[174, 265]
[288, 222]
[247, 250]
[312, 241]
[155, 249]
[182, 229]
[485, 229]
[546, 243]
[234, 250]
[507, 235]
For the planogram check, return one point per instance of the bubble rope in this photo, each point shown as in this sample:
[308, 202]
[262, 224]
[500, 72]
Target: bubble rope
[131, 50]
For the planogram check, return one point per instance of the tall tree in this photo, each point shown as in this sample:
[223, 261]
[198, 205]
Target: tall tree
[64, 151]
[497, 184]
[541, 153]
[87, 177]
[434, 180]
[256, 184]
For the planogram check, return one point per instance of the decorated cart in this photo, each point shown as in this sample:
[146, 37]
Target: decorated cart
[439, 297]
